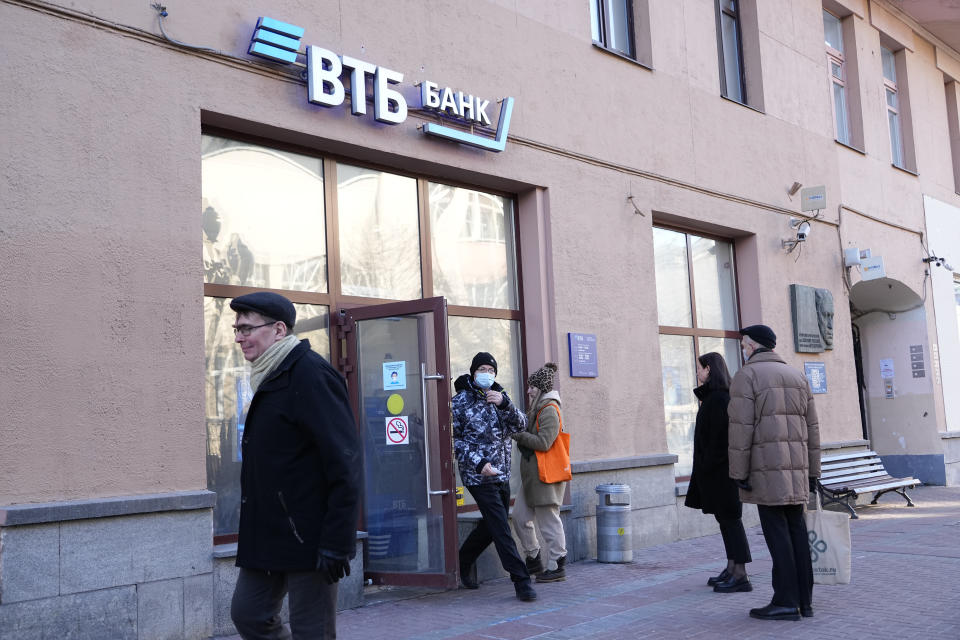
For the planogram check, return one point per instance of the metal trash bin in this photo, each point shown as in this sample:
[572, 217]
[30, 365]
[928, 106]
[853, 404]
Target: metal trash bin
[614, 534]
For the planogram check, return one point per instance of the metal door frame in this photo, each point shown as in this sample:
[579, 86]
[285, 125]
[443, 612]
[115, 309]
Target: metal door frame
[446, 493]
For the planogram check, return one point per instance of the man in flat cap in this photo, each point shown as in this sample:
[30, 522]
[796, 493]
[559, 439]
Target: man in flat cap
[300, 480]
[483, 421]
[774, 453]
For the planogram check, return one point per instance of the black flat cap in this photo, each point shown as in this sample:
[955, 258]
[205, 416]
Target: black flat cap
[270, 305]
[761, 334]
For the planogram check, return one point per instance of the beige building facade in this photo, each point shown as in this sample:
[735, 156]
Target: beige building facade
[613, 186]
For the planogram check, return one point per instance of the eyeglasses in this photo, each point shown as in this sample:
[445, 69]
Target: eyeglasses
[246, 329]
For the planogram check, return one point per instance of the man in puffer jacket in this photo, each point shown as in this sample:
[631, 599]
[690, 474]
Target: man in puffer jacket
[774, 453]
[483, 419]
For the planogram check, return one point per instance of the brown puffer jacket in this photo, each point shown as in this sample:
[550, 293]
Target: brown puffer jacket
[774, 435]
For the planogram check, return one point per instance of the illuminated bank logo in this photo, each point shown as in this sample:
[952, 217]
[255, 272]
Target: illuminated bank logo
[280, 42]
[275, 40]
[467, 108]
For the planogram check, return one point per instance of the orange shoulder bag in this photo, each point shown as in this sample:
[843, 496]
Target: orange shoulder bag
[554, 464]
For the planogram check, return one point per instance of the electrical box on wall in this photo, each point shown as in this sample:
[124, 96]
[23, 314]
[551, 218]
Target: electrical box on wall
[873, 268]
[851, 257]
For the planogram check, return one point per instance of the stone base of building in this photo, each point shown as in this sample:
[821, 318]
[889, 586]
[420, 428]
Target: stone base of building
[951, 457]
[135, 567]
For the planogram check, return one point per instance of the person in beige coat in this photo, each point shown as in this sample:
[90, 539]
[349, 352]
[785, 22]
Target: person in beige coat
[538, 501]
[774, 454]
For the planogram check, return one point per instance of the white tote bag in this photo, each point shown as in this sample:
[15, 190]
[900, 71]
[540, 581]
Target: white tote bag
[829, 534]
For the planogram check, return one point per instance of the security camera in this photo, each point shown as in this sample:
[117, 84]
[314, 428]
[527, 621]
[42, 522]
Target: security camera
[803, 231]
[946, 265]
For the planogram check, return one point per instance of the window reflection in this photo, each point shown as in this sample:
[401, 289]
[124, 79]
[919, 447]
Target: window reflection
[713, 282]
[379, 234]
[729, 348]
[473, 247]
[227, 394]
[673, 283]
[679, 404]
[262, 217]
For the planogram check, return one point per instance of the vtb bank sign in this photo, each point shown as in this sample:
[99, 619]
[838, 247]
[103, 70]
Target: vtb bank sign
[280, 42]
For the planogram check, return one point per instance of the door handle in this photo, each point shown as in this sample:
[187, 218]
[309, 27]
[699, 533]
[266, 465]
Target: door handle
[426, 432]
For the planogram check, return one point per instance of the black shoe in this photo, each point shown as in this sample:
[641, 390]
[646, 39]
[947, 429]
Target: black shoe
[774, 612]
[732, 585]
[467, 581]
[807, 611]
[555, 575]
[534, 566]
[525, 590]
[723, 575]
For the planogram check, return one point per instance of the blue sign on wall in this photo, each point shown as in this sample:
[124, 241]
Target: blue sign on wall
[583, 355]
[816, 376]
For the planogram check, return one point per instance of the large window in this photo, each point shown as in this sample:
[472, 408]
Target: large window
[837, 69]
[328, 235]
[697, 314]
[893, 105]
[611, 23]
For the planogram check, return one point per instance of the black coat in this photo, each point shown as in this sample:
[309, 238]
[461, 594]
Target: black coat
[301, 477]
[711, 488]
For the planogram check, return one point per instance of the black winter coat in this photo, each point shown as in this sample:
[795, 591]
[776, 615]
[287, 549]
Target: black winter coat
[301, 477]
[711, 489]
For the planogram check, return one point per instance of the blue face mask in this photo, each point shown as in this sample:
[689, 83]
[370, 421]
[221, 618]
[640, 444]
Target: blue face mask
[484, 379]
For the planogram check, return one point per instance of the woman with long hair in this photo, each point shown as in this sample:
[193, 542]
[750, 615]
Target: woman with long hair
[711, 488]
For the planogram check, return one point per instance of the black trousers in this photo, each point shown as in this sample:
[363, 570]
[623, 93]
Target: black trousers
[785, 531]
[493, 500]
[258, 596]
[734, 539]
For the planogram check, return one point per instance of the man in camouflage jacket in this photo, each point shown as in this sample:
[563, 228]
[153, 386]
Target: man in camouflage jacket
[483, 420]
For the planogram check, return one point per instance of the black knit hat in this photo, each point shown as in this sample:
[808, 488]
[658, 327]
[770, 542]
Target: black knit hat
[483, 358]
[543, 377]
[761, 334]
[268, 304]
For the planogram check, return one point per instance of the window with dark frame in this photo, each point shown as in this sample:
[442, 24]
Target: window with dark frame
[729, 44]
[612, 26]
[697, 313]
[330, 235]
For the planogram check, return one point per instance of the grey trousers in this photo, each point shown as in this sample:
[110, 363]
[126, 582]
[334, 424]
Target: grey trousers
[258, 596]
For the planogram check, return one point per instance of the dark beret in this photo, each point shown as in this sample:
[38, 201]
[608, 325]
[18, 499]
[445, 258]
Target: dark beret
[483, 358]
[761, 334]
[270, 305]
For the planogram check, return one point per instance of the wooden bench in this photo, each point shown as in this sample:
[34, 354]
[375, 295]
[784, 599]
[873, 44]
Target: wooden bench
[848, 475]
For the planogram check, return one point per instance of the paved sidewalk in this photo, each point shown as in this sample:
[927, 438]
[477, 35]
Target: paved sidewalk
[906, 584]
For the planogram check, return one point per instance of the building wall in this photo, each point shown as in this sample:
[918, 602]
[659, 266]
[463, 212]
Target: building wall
[100, 247]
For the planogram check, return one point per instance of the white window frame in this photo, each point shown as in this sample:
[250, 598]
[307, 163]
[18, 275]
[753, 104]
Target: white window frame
[602, 27]
[890, 88]
[842, 132]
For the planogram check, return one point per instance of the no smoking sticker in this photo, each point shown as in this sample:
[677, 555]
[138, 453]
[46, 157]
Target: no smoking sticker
[397, 430]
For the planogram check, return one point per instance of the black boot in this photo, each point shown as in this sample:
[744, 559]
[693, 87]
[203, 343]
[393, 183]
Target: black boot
[555, 575]
[467, 578]
[534, 566]
[525, 590]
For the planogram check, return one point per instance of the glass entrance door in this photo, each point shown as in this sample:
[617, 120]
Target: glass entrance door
[396, 369]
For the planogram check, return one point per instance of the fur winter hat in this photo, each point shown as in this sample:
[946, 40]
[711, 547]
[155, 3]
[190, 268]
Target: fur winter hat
[543, 377]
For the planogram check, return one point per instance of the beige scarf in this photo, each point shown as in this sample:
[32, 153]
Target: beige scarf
[271, 359]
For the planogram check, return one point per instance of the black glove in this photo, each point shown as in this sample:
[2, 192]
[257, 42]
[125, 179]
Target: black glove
[813, 485]
[525, 451]
[332, 566]
[743, 484]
